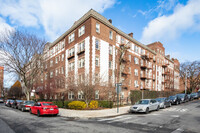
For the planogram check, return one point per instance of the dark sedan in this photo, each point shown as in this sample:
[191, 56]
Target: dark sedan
[194, 95]
[164, 102]
[16, 103]
[175, 99]
[25, 105]
[183, 97]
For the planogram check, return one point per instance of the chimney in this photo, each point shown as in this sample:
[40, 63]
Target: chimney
[110, 20]
[168, 56]
[131, 34]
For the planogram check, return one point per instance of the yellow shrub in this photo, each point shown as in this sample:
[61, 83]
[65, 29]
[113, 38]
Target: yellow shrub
[77, 105]
[93, 105]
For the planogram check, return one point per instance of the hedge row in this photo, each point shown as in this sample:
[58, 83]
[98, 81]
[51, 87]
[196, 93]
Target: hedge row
[82, 105]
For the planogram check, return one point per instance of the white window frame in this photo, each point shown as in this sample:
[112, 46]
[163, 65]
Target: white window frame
[51, 74]
[96, 61]
[111, 34]
[80, 95]
[71, 52]
[81, 46]
[97, 94]
[110, 64]
[63, 57]
[110, 49]
[71, 95]
[81, 63]
[136, 72]
[97, 44]
[71, 37]
[81, 31]
[97, 27]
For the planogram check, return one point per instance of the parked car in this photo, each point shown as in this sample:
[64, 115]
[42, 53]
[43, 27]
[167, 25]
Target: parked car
[44, 108]
[183, 97]
[194, 95]
[25, 105]
[164, 102]
[145, 105]
[1, 100]
[16, 103]
[175, 99]
[190, 97]
[9, 102]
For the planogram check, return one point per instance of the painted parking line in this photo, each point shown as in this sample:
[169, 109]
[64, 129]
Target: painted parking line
[108, 119]
[120, 120]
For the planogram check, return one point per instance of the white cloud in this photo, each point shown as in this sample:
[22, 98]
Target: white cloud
[4, 26]
[55, 16]
[170, 27]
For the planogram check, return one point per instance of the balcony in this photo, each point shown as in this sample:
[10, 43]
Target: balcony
[81, 52]
[165, 65]
[70, 57]
[143, 66]
[125, 73]
[143, 76]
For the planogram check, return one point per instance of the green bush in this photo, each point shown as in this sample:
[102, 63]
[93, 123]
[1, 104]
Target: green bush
[93, 104]
[66, 104]
[58, 103]
[105, 104]
[78, 105]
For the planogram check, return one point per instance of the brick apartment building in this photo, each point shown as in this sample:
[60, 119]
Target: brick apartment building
[1, 79]
[91, 47]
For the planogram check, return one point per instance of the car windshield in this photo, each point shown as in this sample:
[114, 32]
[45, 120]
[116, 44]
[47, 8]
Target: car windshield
[143, 102]
[47, 104]
[19, 100]
[172, 97]
[181, 95]
[193, 94]
[160, 99]
[29, 102]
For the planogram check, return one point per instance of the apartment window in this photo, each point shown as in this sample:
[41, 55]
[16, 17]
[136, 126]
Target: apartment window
[110, 49]
[51, 63]
[71, 66]
[46, 66]
[71, 38]
[81, 62]
[97, 94]
[80, 94]
[63, 44]
[71, 52]
[129, 56]
[110, 64]
[97, 61]
[111, 35]
[96, 77]
[136, 83]
[154, 67]
[71, 95]
[136, 49]
[81, 31]
[97, 27]
[63, 57]
[56, 60]
[45, 76]
[97, 44]
[51, 74]
[122, 40]
[41, 80]
[81, 46]
[122, 95]
[136, 72]
[136, 60]
[62, 70]
[56, 72]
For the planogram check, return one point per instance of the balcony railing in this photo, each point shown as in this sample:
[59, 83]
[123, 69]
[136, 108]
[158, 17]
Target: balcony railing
[81, 52]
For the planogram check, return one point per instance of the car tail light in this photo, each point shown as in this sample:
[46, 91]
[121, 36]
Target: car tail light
[26, 106]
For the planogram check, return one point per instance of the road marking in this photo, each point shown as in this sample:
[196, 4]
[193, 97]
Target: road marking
[108, 119]
[179, 130]
[176, 116]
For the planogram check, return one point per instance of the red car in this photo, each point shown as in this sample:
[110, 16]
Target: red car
[44, 108]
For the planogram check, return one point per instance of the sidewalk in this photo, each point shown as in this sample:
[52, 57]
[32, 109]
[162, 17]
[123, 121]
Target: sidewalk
[93, 113]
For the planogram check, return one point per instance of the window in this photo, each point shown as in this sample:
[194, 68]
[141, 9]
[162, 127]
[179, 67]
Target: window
[122, 40]
[97, 61]
[46, 66]
[136, 60]
[63, 44]
[71, 38]
[81, 62]
[80, 94]
[136, 49]
[81, 46]
[41, 80]
[56, 60]
[51, 74]
[110, 49]
[81, 78]
[81, 31]
[110, 64]
[62, 70]
[63, 57]
[129, 56]
[111, 35]
[51, 63]
[97, 44]
[136, 83]
[71, 66]
[45, 76]
[122, 95]
[97, 94]
[56, 72]
[97, 28]
[71, 52]
[71, 95]
[136, 72]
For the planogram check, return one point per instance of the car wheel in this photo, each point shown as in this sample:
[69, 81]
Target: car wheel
[38, 113]
[147, 110]
[170, 104]
[176, 102]
[22, 109]
[157, 108]
[164, 106]
[30, 111]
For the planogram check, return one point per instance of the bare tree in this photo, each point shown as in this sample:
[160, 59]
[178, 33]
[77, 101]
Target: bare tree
[191, 72]
[22, 54]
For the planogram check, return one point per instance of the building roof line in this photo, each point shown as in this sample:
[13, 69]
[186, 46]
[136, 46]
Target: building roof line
[93, 13]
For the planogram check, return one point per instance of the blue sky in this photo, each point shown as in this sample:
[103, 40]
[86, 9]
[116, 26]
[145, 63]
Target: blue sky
[175, 23]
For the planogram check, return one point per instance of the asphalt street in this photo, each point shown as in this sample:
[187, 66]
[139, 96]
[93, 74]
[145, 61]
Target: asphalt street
[184, 118]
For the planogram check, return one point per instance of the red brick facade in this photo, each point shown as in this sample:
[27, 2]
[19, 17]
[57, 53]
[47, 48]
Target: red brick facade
[1, 79]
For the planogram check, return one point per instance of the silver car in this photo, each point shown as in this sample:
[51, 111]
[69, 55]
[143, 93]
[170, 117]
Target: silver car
[145, 105]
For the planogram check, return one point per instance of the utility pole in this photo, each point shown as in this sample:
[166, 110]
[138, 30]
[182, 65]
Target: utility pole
[186, 81]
